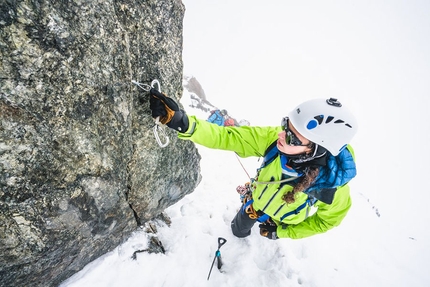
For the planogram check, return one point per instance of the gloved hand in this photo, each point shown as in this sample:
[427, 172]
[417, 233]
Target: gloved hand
[168, 111]
[268, 230]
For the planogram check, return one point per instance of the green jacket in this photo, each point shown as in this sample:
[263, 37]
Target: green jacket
[253, 141]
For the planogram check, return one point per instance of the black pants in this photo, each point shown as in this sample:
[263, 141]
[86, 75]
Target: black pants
[241, 224]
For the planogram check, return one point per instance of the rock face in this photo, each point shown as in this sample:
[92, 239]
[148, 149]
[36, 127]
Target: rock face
[79, 166]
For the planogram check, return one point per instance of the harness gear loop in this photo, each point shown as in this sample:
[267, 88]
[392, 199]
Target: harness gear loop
[158, 127]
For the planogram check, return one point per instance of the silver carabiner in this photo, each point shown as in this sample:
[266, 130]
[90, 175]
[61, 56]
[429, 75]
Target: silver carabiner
[156, 82]
[158, 128]
[147, 87]
[144, 87]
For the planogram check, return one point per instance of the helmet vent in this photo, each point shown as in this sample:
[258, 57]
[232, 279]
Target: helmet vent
[341, 122]
[319, 119]
[329, 119]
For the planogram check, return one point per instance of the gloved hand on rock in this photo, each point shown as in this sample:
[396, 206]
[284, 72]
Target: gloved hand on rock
[167, 110]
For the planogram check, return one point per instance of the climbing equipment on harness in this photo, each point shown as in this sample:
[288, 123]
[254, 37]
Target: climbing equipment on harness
[158, 127]
[252, 213]
[221, 242]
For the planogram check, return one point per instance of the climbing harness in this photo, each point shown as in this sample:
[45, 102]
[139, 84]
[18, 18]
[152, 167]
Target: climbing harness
[221, 242]
[158, 127]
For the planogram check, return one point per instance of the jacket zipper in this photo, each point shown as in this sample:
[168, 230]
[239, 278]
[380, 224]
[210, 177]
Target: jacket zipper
[270, 200]
[262, 192]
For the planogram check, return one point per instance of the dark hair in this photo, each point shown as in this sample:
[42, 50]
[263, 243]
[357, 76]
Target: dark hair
[304, 183]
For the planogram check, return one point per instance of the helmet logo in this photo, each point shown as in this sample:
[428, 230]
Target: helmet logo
[298, 110]
[312, 124]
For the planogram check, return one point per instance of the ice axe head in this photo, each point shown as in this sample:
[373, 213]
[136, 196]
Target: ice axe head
[221, 242]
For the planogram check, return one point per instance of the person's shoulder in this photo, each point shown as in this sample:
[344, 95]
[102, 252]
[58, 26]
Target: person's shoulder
[350, 150]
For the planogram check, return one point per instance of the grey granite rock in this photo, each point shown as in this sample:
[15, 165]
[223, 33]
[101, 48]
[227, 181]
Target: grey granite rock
[79, 166]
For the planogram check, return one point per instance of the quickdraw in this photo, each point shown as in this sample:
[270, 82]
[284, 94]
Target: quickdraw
[158, 127]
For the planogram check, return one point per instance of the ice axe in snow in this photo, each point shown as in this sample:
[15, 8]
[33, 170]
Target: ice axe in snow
[221, 242]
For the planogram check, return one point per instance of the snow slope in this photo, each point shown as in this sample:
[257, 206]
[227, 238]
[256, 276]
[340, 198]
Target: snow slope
[365, 250]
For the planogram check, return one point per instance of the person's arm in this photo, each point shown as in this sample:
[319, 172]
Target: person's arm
[245, 141]
[325, 218]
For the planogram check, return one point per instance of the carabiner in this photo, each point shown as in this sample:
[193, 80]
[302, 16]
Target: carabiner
[144, 87]
[147, 87]
[156, 82]
[159, 129]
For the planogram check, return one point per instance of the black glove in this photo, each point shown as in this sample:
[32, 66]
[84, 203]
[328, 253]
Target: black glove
[168, 111]
[268, 230]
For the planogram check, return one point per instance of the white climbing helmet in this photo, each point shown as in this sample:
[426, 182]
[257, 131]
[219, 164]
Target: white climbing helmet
[325, 122]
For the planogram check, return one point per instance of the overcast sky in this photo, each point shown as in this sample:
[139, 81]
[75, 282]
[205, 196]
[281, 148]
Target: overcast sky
[259, 59]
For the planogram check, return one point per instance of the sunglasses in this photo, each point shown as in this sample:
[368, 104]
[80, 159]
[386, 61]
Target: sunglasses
[290, 137]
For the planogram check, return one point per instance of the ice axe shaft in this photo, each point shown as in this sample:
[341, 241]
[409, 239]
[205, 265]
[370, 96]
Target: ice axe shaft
[221, 242]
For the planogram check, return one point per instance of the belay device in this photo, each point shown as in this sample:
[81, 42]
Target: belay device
[221, 242]
[158, 127]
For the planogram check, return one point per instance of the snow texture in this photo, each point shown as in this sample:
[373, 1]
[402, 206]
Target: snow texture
[367, 249]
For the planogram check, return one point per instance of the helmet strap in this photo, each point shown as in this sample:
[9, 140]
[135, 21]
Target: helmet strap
[318, 157]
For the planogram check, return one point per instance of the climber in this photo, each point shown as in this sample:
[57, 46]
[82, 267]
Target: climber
[229, 121]
[307, 163]
[217, 117]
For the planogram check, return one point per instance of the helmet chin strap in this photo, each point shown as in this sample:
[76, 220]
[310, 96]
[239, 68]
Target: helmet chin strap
[301, 161]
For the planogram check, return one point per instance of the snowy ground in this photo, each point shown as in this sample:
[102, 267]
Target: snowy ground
[372, 54]
[365, 250]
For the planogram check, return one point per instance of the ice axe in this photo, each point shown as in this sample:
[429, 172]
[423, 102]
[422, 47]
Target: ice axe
[221, 242]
